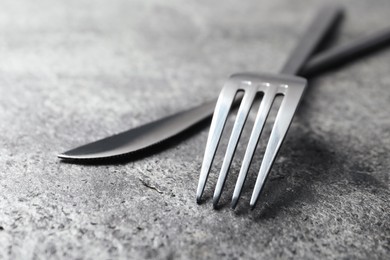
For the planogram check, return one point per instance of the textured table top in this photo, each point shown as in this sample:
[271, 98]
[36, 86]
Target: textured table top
[75, 71]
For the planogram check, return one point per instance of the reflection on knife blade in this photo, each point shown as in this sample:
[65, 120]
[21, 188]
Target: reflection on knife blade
[142, 137]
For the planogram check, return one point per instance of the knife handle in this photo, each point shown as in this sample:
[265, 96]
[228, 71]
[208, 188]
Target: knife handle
[348, 52]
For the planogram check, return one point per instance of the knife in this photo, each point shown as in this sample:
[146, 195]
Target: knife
[140, 139]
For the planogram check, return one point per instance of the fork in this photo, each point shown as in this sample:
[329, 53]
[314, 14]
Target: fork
[271, 85]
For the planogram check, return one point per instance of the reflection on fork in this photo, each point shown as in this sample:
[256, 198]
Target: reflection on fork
[291, 87]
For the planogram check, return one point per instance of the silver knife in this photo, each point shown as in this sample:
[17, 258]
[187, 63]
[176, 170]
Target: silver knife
[141, 138]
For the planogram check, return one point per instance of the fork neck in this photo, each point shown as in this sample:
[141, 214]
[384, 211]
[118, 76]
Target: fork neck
[325, 21]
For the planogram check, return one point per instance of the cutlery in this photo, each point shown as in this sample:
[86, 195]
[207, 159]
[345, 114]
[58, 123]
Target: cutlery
[139, 139]
[291, 88]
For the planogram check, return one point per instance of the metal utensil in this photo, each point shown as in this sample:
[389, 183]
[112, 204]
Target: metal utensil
[270, 85]
[146, 136]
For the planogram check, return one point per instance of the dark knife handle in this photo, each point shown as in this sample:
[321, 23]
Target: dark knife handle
[338, 56]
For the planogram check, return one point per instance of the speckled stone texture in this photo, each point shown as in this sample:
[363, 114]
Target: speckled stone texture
[75, 71]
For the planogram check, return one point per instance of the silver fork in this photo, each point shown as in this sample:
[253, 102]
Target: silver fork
[290, 87]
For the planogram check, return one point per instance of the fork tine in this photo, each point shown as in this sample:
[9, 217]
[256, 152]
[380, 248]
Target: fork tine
[242, 115]
[222, 108]
[265, 106]
[282, 123]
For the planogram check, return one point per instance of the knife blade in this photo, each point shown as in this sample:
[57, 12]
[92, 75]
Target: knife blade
[146, 136]
[142, 137]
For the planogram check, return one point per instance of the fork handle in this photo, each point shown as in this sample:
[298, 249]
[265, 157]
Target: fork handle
[323, 23]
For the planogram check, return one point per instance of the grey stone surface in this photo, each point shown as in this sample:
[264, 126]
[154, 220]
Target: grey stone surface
[75, 71]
